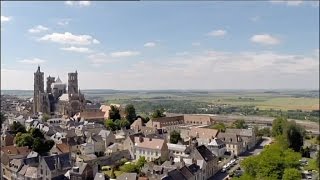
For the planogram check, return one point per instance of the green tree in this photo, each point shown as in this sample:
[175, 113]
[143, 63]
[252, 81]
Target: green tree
[219, 126]
[291, 174]
[278, 126]
[112, 175]
[124, 123]
[17, 127]
[130, 113]
[45, 117]
[129, 168]
[114, 113]
[110, 125]
[38, 146]
[158, 113]
[175, 137]
[141, 161]
[239, 124]
[24, 139]
[264, 132]
[294, 135]
[35, 132]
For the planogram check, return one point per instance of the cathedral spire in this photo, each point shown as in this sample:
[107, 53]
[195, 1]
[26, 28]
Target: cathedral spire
[38, 70]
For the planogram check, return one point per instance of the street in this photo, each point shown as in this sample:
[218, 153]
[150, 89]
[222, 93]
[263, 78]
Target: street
[259, 147]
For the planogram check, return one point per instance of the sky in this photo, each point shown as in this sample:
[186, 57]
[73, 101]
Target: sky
[151, 45]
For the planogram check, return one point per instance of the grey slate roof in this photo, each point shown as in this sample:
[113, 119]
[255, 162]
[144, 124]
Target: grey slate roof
[205, 153]
[127, 176]
[99, 176]
[52, 160]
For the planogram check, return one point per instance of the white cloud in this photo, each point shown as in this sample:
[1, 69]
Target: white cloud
[5, 19]
[195, 44]
[255, 18]
[124, 54]
[69, 38]
[264, 39]
[78, 3]
[95, 41]
[100, 58]
[64, 22]
[288, 2]
[32, 61]
[76, 49]
[149, 44]
[38, 29]
[184, 53]
[217, 33]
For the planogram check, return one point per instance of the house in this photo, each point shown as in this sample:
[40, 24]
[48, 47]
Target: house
[150, 148]
[60, 149]
[234, 143]
[247, 135]
[198, 119]
[107, 136]
[12, 152]
[204, 135]
[81, 171]
[54, 166]
[6, 139]
[127, 176]
[86, 148]
[166, 124]
[98, 143]
[137, 125]
[205, 159]
[92, 115]
[217, 147]
[107, 108]
[178, 150]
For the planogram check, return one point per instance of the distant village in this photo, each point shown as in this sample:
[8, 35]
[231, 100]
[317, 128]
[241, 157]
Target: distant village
[58, 134]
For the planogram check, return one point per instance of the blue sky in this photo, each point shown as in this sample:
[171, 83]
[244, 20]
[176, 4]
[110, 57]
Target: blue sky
[162, 45]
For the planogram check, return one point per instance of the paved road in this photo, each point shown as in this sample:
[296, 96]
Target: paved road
[265, 141]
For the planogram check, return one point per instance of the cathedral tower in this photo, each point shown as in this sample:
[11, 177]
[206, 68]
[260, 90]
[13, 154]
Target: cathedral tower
[38, 89]
[73, 83]
[50, 80]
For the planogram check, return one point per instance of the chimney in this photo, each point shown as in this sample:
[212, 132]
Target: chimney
[140, 139]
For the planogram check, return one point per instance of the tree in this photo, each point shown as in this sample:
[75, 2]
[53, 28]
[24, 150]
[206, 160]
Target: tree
[17, 127]
[35, 132]
[24, 139]
[278, 126]
[220, 126]
[114, 113]
[239, 124]
[141, 161]
[45, 117]
[291, 174]
[294, 135]
[264, 132]
[124, 123]
[110, 125]
[129, 168]
[158, 113]
[175, 137]
[130, 113]
[112, 175]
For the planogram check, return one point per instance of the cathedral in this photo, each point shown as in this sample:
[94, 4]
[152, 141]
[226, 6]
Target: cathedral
[57, 99]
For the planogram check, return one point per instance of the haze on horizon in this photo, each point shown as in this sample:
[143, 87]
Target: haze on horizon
[162, 45]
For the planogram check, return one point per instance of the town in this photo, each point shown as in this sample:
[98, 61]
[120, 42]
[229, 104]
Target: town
[58, 134]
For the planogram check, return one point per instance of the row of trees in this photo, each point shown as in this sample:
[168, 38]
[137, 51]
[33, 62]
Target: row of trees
[116, 122]
[281, 159]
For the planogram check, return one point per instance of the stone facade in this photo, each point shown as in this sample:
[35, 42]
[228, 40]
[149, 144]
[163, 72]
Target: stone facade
[56, 99]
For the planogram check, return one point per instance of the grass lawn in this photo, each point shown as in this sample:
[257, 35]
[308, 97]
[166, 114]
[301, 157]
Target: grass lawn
[312, 165]
[117, 173]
